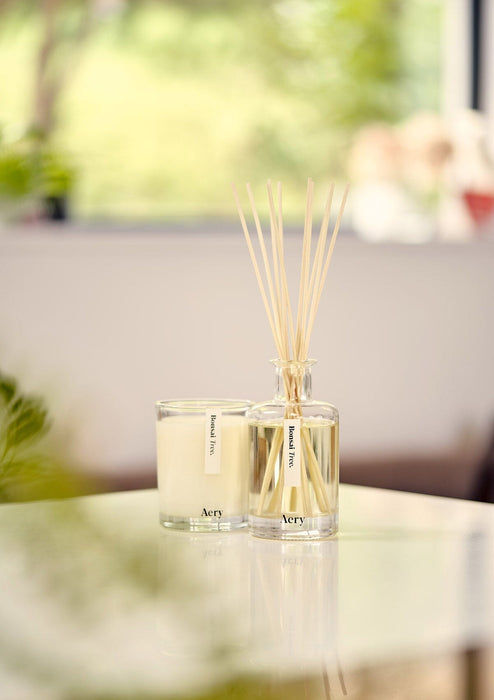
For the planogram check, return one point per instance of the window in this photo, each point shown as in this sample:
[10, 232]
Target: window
[158, 106]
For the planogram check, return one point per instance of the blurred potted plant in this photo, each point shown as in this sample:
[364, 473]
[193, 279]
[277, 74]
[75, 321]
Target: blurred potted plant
[36, 179]
[56, 181]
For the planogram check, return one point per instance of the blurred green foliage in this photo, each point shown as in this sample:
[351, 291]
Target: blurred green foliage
[31, 169]
[29, 467]
[56, 173]
[16, 175]
[168, 102]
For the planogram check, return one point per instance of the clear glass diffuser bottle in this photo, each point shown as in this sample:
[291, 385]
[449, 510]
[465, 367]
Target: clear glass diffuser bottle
[294, 470]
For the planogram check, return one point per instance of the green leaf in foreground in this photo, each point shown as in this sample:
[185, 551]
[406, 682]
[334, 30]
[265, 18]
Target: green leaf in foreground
[8, 389]
[29, 421]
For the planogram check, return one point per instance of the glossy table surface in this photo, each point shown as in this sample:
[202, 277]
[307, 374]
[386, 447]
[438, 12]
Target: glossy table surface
[98, 601]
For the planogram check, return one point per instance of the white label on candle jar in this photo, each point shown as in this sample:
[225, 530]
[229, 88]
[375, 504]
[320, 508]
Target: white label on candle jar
[291, 451]
[212, 454]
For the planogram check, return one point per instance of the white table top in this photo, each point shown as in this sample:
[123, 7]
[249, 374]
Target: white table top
[94, 594]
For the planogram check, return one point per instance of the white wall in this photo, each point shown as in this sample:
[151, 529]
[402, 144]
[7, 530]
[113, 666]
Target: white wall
[106, 324]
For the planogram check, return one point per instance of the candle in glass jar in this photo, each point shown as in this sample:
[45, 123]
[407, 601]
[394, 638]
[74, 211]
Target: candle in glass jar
[203, 463]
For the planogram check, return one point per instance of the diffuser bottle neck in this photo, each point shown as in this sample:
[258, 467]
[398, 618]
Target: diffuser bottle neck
[293, 380]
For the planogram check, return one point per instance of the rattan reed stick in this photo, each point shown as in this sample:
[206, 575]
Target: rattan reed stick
[292, 339]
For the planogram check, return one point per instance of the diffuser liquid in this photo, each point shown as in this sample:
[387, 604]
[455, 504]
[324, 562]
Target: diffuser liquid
[292, 512]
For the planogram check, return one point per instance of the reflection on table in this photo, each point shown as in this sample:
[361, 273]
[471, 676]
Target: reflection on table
[96, 600]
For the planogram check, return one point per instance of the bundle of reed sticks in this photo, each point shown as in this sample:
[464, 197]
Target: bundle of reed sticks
[292, 333]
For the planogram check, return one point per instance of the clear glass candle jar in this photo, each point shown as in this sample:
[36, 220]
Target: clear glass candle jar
[294, 471]
[203, 461]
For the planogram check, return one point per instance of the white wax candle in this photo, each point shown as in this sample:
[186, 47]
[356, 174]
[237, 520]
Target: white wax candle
[185, 489]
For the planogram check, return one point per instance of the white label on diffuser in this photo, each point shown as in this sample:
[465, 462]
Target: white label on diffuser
[212, 453]
[291, 451]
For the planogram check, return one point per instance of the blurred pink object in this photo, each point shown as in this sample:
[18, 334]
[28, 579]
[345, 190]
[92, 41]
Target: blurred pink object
[426, 149]
[375, 154]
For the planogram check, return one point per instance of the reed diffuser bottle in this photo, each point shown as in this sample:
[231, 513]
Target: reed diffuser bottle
[293, 491]
[293, 439]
